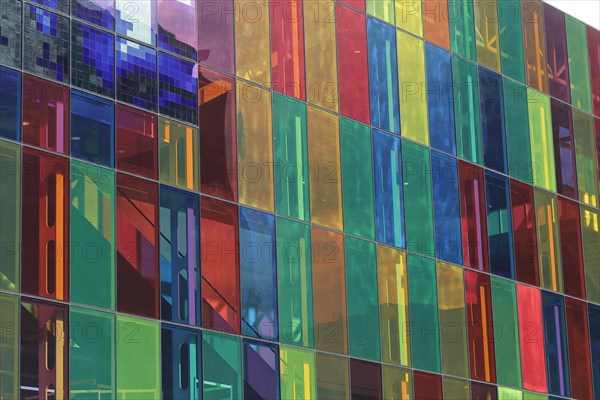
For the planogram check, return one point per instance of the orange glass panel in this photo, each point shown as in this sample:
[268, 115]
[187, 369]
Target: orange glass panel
[435, 22]
[252, 45]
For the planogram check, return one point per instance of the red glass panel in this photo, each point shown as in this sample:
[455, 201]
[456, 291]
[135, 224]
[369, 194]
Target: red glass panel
[556, 53]
[481, 391]
[287, 48]
[358, 4]
[353, 74]
[427, 386]
[481, 330]
[44, 346]
[220, 266]
[137, 246]
[597, 128]
[137, 145]
[579, 355]
[45, 225]
[215, 34]
[593, 37]
[218, 155]
[531, 337]
[435, 22]
[571, 247]
[564, 149]
[473, 217]
[45, 114]
[524, 236]
[365, 380]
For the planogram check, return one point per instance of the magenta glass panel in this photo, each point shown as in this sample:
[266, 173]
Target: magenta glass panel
[571, 247]
[218, 155]
[177, 27]
[215, 34]
[365, 380]
[564, 149]
[137, 145]
[556, 53]
[45, 114]
[137, 246]
[524, 235]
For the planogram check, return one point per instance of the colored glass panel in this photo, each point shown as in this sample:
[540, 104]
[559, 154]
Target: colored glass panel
[252, 42]
[578, 334]
[564, 149]
[382, 9]
[531, 338]
[294, 283]
[511, 39]
[524, 233]
[492, 120]
[487, 35]
[92, 218]
[261, 370]
[10, 215]
[138, 246]
[499, 231]
[557, 359]
[291, 158]
[590, 235]
[409, 16]
[579, 65]
[180, 362]
[255, 147]
[505, 393]
[137, 145]
[10, 108]
[221, 366]
[534, 44]
[556, 48]
[548, 238]
[593, 39]
[427, 386]
[137, 20]
[176, 27]
[333, 377]
[571, 247]
[413, 88]
[540, 131]
[216, 21]
[587, 176]
[9, 356]
[455, 388]
[397, 383]
[482, 391]
[297, 373]
[177, 87]
[99, 12]
[178, 154]
[435, 22]
[365, 380]
[136, 74]
[516, 119]
[423, 301]
[462, 29]
[11, 40]
[594, 320]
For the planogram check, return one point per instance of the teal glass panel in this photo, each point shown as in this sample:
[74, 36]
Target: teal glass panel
[516, 118]
[9, 346]
[290, 158]
[180, 363]
[416, 166]
[92, 355]
[422, 295]
[294, 283]
[362, 299]
[462, 28]
[92, 219]
[222, 366]
[511, 39]
[357, 179]
[10, 215]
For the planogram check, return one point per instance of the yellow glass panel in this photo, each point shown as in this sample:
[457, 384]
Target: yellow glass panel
[252, 45]
[409, 16]
[542, 148]
[486, 34]
[413, 88]
[255, 147]
[397, 383]
[393, 305]
[178, 154]
[452, 316]
[321, 53]
[591, 248]
[455, 388]
[297, 373]
[382, 9]
[548, 238]
[324, 167]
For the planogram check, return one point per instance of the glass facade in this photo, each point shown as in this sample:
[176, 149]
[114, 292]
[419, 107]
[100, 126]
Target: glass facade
[298, 199]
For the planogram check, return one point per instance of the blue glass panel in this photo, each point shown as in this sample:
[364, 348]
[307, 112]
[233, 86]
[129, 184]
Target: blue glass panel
[389, 200]
[261, 370]
[383, 76]
[181, 362]
[10, 33]
[46, 50]
[594, 323]
[137, 19]
[492, 120]
[446, 206]
[93, 59]
[136, 74]
[92, 128]
[58, 5]
[499, 225]
[258, 274]
[440, 100]
[179, 256]
[99, 12]
[178, 88]
[177, 25]
[10, 104]
[555, 335]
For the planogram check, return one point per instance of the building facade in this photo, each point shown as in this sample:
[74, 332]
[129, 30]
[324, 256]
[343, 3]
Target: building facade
[287, 199]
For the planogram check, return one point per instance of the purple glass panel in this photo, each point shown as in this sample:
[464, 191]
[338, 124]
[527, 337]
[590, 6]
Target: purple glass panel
[261, 370]
[556, 45]
[564, 149]
[215, 32]
[177, 30]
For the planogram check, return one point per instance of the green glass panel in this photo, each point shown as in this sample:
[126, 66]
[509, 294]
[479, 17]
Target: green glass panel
[585, 153]
[221, 366]
[416, 166]
[511, 39]
[517, 131]
[362, 299]
[397, 383]
[9, 346]
[462, 29]
[509, 394]
[506, 326]
[138, 358]
[453, 320]
[297, 373]
[92, 219]
[333, 377]
[534, 396]
[294, 283]
[92, 355]
[466, 110]
[548, 240]
[591, 248]
[456, 389]
[422, 295]
[10, 215]
[382, 9]
[542, 145]
[579, 73]
[291, 158]
[357, 179]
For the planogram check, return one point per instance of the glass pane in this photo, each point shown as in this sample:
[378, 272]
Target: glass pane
[382, 9]
[524, 233]
[462, 29]
[516, 118]
[579, 66]
[540, 130]
[587, 176]
[136, 74]
[137, 19]
[482, 391]
[593, 36]
[297, 369]
[215, 35]
[252, 44]
[509, 394]
[221, 366]
[409, 16]
[590, 235]
[365, 382]
[397, 383]
[177, 30]
[556, 46]
[564, 149]
[9, 356]
[486, 31]
[427, 386]
[492, 120]
[557, 359]
[499, 230]
[548, 241]
[99, 12]
[10, 108]
[177, 86]
[511, 39]
[10, 215]
[137, 146]
[333, 377]
[531, 337]
[178, 154]
[535, 44]
[578, 334]
[10, 47]
[180, 363]
[571, 247]
[261, 370]
[435, 22]
[594, 318]
[455, 388]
